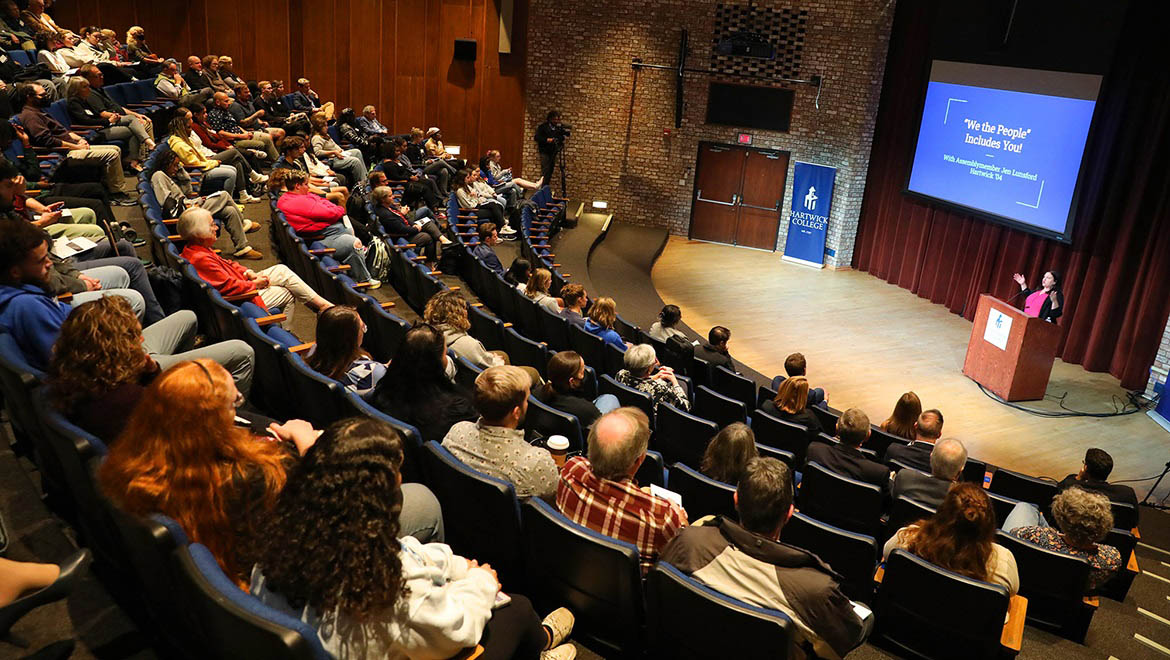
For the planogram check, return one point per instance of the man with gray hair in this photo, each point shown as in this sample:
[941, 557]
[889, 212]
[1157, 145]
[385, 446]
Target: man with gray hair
[368, 123]
[946, 464]
[746, 560]
[644, 373]
[277, 286]
[599, 492]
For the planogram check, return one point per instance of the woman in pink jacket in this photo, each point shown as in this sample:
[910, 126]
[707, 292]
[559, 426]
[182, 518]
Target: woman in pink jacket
[313, 218]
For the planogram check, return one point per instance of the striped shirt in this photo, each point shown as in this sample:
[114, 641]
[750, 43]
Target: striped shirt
[618, 509]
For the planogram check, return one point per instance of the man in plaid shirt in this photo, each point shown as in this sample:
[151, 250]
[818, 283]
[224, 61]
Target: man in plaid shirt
[599, 492]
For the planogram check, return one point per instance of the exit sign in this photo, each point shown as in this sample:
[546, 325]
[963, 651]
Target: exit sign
[745, 138]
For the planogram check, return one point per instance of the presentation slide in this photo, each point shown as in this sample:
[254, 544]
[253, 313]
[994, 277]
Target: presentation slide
[1005, 142]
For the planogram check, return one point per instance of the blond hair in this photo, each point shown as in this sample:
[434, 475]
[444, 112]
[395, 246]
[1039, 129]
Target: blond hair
[603, 312]
[499, 390]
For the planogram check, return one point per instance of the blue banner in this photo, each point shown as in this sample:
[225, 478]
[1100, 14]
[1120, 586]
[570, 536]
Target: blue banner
[812, 195]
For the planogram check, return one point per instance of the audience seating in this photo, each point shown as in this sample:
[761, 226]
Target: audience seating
[879, 440]
[688, 620]
[588, 345]
[765, 393]
[1003, 507]
[613, 359]
[1117, 588]
[722, 410]
[681, 436]
[827, 417]
[1125, 516]
[481, 515]
[851, 555]
[839, 500]
[1023, 487]
[700, 371]
[1054, 584]
[524, 351]
[628, 396]
[734, 386]
[904, 512]
[785, 457]
[547, 421]
[488, 329]
[910, 620]
[702, 495]
[595, 576]
[780, 434]
[234, 624]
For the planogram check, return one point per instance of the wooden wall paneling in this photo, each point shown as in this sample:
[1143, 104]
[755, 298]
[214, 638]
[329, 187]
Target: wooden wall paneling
[68, 14]
[269, 45]
[436, 68]
[342, 73]
[365, 57]
[409, 99]
[453, 78]
[501, 124]
[116, 16]
[473, 93]
[229, 23]
[320, 49]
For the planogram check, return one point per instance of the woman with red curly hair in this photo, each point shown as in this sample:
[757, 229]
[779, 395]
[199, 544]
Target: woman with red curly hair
[182, 455]
[960, 537]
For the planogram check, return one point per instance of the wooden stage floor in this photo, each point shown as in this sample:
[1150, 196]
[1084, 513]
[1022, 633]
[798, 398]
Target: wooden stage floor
[867, 342]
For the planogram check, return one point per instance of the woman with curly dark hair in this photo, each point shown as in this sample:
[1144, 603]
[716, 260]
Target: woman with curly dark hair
[99, 367]
[728, 453]
[331, 556]
[419, 386]
[960, 537]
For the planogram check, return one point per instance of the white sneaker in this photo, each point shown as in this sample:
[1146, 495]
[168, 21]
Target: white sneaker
[245, 198]
[444, 240]
[507, 231]
[258, 154]
[562, 652]
[257, 177]
[374, 284]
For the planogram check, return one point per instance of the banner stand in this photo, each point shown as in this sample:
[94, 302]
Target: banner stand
[808, 219]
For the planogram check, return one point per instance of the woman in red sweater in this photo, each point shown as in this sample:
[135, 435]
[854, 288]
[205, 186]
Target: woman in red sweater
[278, 286]
[316, 219]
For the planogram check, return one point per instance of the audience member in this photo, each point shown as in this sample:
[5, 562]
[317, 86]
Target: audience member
[901, 421]
[714, 350]
[89, 51]
[511, 192]
[250, 116]
[483, 249]
[211, 144]
[518, 273]
[172, 189]
[537, 290]
[225, 169]
[505, 174]
[399, 168]
[1083, 519]
[48, 54]
[1093, 475]
[599, 491]
[960, 537]
[182, 455]
[220, 119]
[48, 210]
[644, 373]
[946, 464]
[174, 86]
[294, 150]
[348, 162]
[136, 47]
[791, 405]
[372, 147]
[338, 351]
[747, 561]
[795, 365]
[416, 153]
[487, 207]
[99, 102]
[276, 286]
[562, 391]
[316, 219]
[575, 300]
[369, 590]
[495, 443]
[435, 149]
[664, 328]
[927, 431]
[729, 453]
[34, 318]
[602, 317]
[44, 131]
[17, 33]
[209, 72]
[368, 122]
[447, 312]
[417, 227]
[419, 386]
[227, 72]
[307, 100]
[845, 457]
[277, 113]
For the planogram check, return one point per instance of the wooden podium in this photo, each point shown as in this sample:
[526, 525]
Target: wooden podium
[1010, 353]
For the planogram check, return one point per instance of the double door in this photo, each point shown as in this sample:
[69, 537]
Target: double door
[738, 193]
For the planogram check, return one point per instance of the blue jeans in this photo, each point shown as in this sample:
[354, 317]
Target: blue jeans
[136, 279]
[115, 282]
[1024, 515]
[225, 175]
[607, 402]
[339, 237]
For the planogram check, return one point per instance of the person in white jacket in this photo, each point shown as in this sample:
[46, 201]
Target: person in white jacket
[330, 555]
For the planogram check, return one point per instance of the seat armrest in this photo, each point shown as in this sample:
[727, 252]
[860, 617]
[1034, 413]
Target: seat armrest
[248, 295]
[272, 319]
[302, 348]
[1013, 630]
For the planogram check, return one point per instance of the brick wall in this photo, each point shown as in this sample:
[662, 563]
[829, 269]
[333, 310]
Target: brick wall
[579, 62]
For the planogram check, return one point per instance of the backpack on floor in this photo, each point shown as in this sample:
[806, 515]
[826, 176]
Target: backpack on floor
[167, 284]
[378, 259]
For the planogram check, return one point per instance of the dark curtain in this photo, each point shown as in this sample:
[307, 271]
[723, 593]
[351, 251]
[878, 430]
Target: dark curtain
[1117, 269]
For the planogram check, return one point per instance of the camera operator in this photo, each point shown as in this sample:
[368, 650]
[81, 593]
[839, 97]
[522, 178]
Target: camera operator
[550, 139]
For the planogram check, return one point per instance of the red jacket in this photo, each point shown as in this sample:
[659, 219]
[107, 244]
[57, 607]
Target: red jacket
[209, 138]
[308, 213]
[228, 277]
